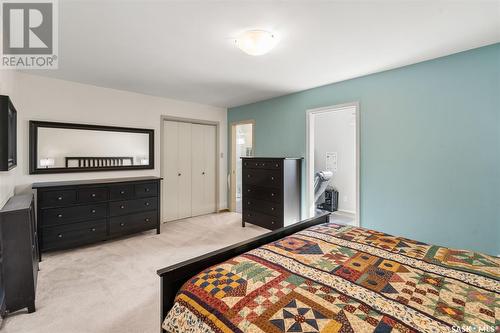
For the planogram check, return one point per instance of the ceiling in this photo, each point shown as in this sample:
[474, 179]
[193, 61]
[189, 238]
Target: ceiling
[184, 49]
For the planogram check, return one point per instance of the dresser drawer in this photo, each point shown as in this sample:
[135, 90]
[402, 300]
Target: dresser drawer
[131, 223]
[132, 206]
[264, 178]
[262, 193]
[64, 215]
[57, 198]
[266, 207]
[260, 219]
[92, 194]
[73, 234]
[146, 190]
[121, 192]
[262, 164]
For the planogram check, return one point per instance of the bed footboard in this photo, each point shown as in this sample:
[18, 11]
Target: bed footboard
[173, 277]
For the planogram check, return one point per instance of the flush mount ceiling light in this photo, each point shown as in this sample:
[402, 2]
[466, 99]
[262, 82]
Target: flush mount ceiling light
[256, 42]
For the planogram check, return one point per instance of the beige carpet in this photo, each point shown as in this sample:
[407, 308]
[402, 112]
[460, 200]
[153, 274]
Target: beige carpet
[113, 286]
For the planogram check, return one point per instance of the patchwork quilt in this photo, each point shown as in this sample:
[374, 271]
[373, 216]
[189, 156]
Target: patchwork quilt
[337, 278]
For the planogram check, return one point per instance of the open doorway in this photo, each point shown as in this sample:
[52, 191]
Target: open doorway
[242, 143]
[333, 158]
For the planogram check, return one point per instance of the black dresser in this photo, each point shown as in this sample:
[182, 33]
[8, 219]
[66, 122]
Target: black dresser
[74, 213]
[271, 191]
[18, 255]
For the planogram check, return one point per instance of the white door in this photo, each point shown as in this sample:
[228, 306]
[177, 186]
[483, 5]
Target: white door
[184, 172]
[210, 169]
[198, 158]
[189, 170]
[204, 168]
[170, 171]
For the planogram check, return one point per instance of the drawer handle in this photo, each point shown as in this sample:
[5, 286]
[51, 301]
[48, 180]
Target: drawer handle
[147, 219]
[147, 204]
[277, 165]
[272, 222]
[59, 235]
[248, 176]
[60, 198]
[122, 207]
[203, 173]
[272, 208]
[93, 211]
[272, 194]
[93, 195]
[256, 164]
[93, 229]
[245, 164]
[59, 215]
[147, 189]
[249, 190]
[272, 177]
[249, 203]
[263, 164]
[122, 192]
[122, 224]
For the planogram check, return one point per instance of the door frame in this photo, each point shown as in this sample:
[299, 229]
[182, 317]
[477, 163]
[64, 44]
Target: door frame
[217, 152]
[310, 114]
[232, 179]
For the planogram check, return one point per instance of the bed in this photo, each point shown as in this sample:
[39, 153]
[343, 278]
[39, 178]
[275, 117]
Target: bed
[325, 277]
[98, 162]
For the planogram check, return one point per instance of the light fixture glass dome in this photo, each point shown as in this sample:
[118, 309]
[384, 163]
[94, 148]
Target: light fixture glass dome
[256, 42]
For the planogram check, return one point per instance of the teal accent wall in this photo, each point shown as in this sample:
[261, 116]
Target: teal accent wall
[430, 145]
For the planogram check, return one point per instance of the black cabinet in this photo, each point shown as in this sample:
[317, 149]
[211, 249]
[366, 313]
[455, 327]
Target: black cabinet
[8, 134]
[75, 213]
[271, 191]
[18, 255]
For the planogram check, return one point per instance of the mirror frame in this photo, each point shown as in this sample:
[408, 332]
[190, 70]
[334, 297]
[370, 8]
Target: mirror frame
[33, 145]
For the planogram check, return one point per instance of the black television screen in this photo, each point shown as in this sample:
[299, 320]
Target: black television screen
[8, 134]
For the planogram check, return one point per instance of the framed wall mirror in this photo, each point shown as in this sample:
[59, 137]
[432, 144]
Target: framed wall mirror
[65, 147]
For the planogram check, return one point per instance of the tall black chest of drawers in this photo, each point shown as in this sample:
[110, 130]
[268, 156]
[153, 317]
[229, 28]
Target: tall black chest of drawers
[271, 191]
[18, 254]
[74, 213]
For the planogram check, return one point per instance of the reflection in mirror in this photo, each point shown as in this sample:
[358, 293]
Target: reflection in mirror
[58, 147]
[74, 148]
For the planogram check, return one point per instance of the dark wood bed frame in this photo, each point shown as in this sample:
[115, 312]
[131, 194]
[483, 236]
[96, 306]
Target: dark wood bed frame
[99, 162]
[173, 277]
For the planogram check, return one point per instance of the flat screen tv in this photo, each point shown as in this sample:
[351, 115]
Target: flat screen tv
[8, 134]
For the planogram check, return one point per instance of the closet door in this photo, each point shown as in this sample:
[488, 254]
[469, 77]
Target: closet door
[185, 170]
[198, 158]
[170, 170]
[210, 169]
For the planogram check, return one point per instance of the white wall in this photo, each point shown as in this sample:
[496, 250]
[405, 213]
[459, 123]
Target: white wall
[336, 132]
[7, 179]
[40, 98]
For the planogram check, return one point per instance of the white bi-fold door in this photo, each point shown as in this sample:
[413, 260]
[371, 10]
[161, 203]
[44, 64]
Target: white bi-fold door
[203, 152]
[189, 170]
